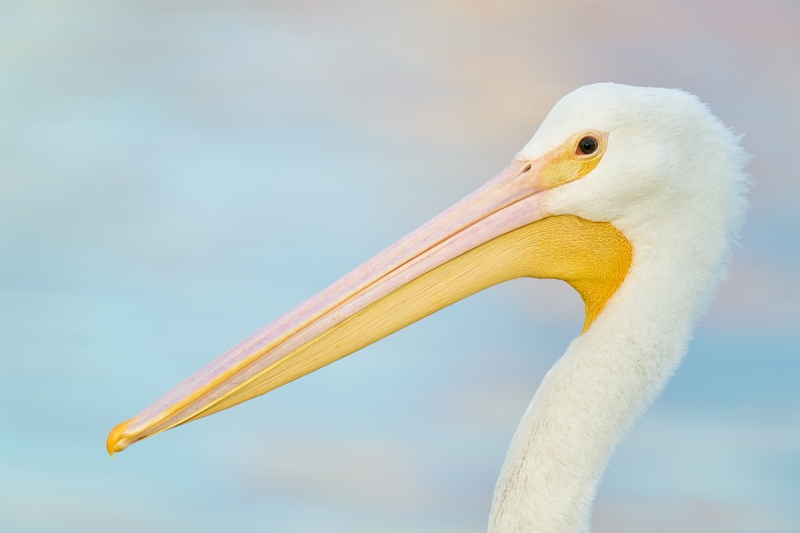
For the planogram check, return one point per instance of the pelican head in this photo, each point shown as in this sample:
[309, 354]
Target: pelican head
[631, 195]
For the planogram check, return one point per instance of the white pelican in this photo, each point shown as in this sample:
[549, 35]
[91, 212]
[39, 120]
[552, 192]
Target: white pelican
[631, 195]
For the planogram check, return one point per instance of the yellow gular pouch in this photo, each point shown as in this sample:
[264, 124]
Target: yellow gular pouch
[572, 160]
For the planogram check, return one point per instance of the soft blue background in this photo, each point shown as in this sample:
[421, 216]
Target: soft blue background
[173, 175]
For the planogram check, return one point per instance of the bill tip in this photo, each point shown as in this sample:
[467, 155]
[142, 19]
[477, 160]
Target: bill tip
[117, 440]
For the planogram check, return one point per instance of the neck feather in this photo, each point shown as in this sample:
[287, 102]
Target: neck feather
[588, 400]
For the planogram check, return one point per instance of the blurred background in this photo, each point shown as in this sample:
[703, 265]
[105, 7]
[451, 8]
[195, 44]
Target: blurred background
[175, 174]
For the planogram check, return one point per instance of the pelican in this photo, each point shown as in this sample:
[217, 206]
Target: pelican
[631, 195]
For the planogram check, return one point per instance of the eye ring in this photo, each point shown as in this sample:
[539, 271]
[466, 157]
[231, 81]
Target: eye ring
[587, 145]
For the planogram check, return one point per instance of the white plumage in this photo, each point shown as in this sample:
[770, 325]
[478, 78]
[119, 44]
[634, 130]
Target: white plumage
[672, 181]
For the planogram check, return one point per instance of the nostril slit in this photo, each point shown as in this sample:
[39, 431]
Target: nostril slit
[527, 168]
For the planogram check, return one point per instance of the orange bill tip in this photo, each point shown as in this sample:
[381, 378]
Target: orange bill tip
[113, 443]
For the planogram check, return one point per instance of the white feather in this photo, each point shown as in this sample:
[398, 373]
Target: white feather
[672, 181]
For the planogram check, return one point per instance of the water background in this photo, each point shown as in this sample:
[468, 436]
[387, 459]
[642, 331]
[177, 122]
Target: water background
[173, 175]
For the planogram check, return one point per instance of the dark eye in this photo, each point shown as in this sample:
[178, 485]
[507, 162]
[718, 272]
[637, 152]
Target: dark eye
[587, 145]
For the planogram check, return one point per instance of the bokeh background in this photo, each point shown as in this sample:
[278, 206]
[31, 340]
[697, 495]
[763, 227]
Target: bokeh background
[175, 174]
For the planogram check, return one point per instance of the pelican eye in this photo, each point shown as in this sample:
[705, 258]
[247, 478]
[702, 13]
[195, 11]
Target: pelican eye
[587, 145]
